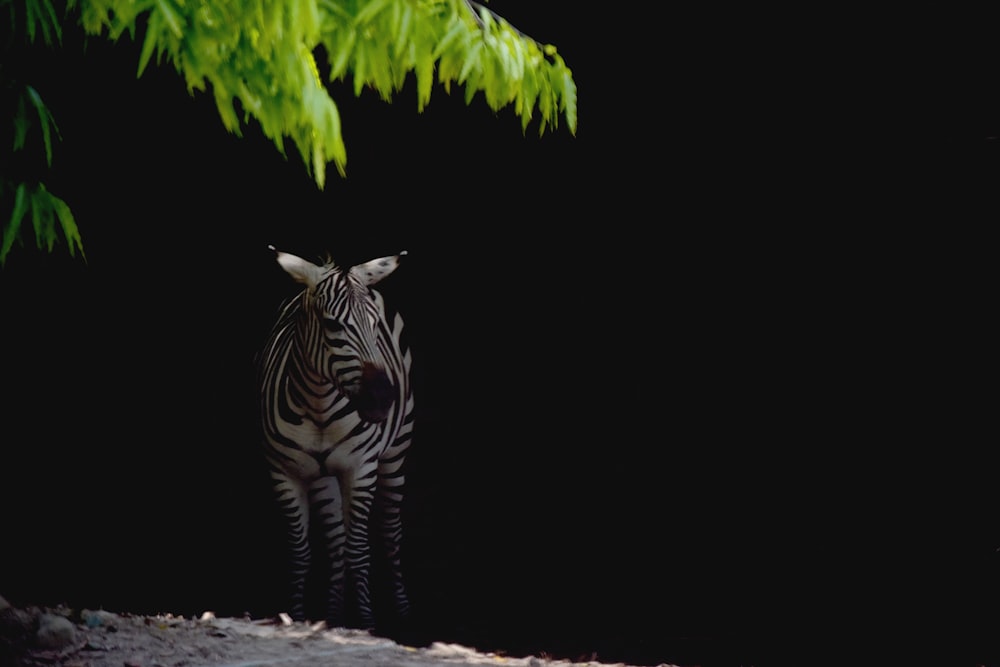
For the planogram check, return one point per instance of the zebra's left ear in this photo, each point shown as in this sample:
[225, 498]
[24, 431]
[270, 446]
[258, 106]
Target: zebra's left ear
[371, 272]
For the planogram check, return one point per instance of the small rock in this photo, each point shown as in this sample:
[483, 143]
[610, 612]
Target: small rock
[94, 619]
[54, 632]
[15, 623]
[16, 627]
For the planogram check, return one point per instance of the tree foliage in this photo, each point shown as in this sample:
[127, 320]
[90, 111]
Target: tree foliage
[33, 125]
[262, 59]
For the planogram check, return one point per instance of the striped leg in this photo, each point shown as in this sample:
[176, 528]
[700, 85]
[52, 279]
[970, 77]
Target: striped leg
[390, 488]
[358, 550]
[329, 505]
[295, 508]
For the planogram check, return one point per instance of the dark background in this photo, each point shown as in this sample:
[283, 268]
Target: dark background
[704, 384]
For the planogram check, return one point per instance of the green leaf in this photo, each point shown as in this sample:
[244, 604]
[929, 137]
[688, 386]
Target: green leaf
[472, 60]
[171, 18]
[525, 104]
[29, 13]
[345, 48]
[53, 19]
[370, 10]
[149, 44]
[360, 66]
[425, 81]
[335, 8]
[455, 28]
[44, 118]
[41, 214]
[13, 227]
[41, 15]
[569, 99]
[319, 165]
[545, 102]
[68, 224]
[402, 29]
[381, 72]
[224, 103]
[486, 19]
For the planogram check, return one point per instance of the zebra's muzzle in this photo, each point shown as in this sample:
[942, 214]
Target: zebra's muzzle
[375, 395]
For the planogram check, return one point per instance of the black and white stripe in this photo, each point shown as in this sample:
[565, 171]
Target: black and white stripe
[337, 411]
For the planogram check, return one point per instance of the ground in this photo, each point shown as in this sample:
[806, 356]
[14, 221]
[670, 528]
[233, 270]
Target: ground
[68, 638]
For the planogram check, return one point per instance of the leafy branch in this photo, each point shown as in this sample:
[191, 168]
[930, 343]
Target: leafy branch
[28, 197]
[45, 210]
[261, 60]
[258, 57]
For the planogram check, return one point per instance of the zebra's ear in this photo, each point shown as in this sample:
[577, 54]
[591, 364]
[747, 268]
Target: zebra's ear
[371, 272]
[302, 271]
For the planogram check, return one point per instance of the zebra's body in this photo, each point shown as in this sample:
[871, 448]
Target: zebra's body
[337, 411]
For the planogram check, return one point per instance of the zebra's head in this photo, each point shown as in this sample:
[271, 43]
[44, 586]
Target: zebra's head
[340, 331]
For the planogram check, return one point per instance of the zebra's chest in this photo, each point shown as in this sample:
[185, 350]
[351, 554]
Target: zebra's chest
[319, 436]
[345, 445]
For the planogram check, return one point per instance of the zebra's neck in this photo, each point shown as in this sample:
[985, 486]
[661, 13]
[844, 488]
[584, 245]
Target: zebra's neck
[323, 416]
[307, 386]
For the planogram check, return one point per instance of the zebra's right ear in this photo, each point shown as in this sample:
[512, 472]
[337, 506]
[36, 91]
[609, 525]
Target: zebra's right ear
[301, 270]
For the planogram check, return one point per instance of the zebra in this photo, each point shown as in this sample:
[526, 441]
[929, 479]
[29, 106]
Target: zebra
[337, 415]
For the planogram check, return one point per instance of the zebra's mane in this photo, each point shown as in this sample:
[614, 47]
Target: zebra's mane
[290, 305]
[327, 261]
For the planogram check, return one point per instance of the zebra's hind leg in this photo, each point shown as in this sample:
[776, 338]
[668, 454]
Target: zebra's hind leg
[327, 502]
[294, 505]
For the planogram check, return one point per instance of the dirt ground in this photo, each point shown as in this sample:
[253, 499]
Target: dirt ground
[65, 638]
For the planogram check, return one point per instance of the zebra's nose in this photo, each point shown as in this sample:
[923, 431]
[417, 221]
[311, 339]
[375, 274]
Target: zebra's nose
[376, 394]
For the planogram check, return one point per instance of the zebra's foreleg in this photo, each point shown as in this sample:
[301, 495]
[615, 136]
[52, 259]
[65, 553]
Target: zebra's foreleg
[295, 507]
[390, 490]
[328, 504]
[358, 551]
